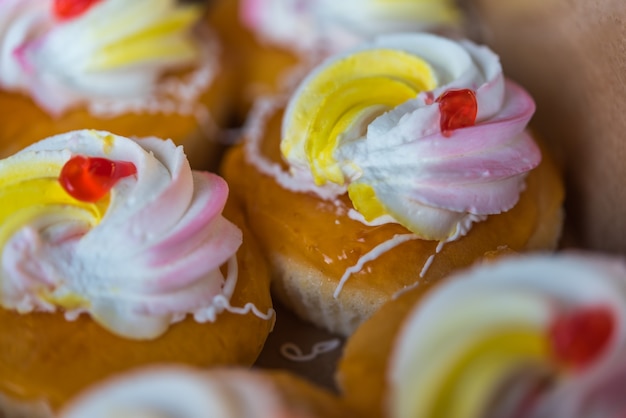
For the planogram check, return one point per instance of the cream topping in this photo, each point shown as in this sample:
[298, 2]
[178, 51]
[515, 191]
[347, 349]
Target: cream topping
[181, 393]
[306, 26]
[367, 121]
[497, 332]
[136, 262]
[113, 58]
[373, 254]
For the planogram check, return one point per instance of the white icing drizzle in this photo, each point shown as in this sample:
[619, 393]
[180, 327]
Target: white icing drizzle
[432, 257]
[373, 254]
[221, 302]
[427, 264]
[294, 353]
[462, 229]
[254, 130]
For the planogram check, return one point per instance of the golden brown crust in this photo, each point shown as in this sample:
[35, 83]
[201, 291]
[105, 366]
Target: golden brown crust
[311, 242]
[43, 356]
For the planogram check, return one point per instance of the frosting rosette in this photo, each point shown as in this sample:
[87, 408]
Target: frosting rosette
[141, 253]
[65, 53]
[529, 336]
[418, 129]
[325, 25]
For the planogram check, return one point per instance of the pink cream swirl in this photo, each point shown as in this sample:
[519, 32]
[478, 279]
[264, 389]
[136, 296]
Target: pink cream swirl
[153, 254]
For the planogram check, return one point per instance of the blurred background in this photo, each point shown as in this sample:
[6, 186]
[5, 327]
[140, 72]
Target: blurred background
[571, 56]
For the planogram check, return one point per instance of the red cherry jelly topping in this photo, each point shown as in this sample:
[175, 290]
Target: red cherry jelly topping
[68, 9]
[89, 179]
[458, 110]
[578, 338]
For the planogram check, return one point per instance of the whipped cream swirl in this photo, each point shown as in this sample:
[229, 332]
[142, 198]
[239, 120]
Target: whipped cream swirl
[483, 345]
[184, 393]
[369, 121]
[138, 260]
[107, 57]
[306, 26]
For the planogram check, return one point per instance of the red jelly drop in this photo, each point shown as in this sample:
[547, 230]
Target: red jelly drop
[458, 110]
[68, 9]
[89, 179]
[578, 338]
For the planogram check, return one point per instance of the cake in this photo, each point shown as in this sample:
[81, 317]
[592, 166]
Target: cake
[392, 165]
[115, 254]
[144, 68]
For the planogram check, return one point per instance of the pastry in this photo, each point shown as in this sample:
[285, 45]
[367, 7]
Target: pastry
[138, 68]
[115, 254]
[391, 166]
[280, 40]
[224, 393]
[522, 336]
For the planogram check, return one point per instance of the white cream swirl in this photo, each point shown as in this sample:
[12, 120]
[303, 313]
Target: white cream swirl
[107, 57]
[370, 121]
[137, 261]
[485, 339]
[307, 26]
[183, 393]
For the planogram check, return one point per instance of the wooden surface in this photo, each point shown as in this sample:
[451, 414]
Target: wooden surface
[571, 56]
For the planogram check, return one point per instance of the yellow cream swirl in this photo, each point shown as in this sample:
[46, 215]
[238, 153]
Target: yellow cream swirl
[483, 342]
